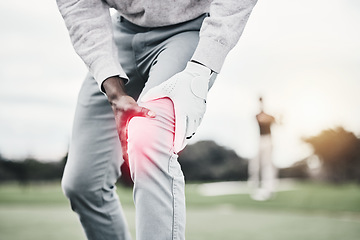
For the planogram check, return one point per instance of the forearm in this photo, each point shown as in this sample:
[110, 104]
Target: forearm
[114, 87]
[221, 31]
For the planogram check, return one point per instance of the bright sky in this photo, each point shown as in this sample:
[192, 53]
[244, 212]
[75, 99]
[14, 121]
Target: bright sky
[302, 56]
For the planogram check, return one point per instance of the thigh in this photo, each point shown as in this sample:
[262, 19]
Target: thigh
[95, 153]
[172, 58]
[158, 180]
[266, 149]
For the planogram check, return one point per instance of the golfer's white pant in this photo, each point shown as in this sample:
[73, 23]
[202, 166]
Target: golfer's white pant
[262, 173]
[149, 56]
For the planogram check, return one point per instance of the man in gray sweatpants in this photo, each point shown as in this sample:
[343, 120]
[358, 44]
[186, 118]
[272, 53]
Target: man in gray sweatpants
[154, 62]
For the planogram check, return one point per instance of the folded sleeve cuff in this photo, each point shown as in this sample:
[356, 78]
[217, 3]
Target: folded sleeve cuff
[103, 69]
[211, 53]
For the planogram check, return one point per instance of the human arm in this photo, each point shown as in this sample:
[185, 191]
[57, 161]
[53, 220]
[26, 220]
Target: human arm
[218, 35]
[264, 118]
[124, 108]
[221, 31]
[90, 29]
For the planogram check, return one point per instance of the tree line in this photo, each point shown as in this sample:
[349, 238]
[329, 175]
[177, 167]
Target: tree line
[337, 149]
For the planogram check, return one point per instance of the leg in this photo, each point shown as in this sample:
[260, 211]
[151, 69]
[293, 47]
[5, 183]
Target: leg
[158, 179]
[254, 172]
[93, 167]
[157, 54]
[268, 171]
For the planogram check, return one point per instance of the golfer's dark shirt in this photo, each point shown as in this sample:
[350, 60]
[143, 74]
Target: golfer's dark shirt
[265, 121]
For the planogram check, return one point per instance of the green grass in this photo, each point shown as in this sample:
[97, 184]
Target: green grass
[311, 211]
[304, 197]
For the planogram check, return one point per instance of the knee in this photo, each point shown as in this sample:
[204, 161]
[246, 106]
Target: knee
[78, 190]
[69, 188]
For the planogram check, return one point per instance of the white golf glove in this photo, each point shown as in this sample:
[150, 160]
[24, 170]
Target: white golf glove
[188, 91]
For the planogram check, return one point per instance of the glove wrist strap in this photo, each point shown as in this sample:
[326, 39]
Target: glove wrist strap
[199, 68]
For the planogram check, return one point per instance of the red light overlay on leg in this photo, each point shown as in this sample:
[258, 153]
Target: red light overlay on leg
[151, 140]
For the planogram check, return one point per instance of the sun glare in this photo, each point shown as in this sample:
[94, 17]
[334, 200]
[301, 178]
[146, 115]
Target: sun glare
[311, 112]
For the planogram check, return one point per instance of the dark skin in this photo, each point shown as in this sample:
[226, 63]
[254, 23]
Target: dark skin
[124, 108]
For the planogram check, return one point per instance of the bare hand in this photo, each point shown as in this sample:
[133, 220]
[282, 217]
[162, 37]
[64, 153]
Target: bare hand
[124, 108]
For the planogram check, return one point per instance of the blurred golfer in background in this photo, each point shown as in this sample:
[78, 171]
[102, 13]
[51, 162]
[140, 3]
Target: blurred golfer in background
[262, 172]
